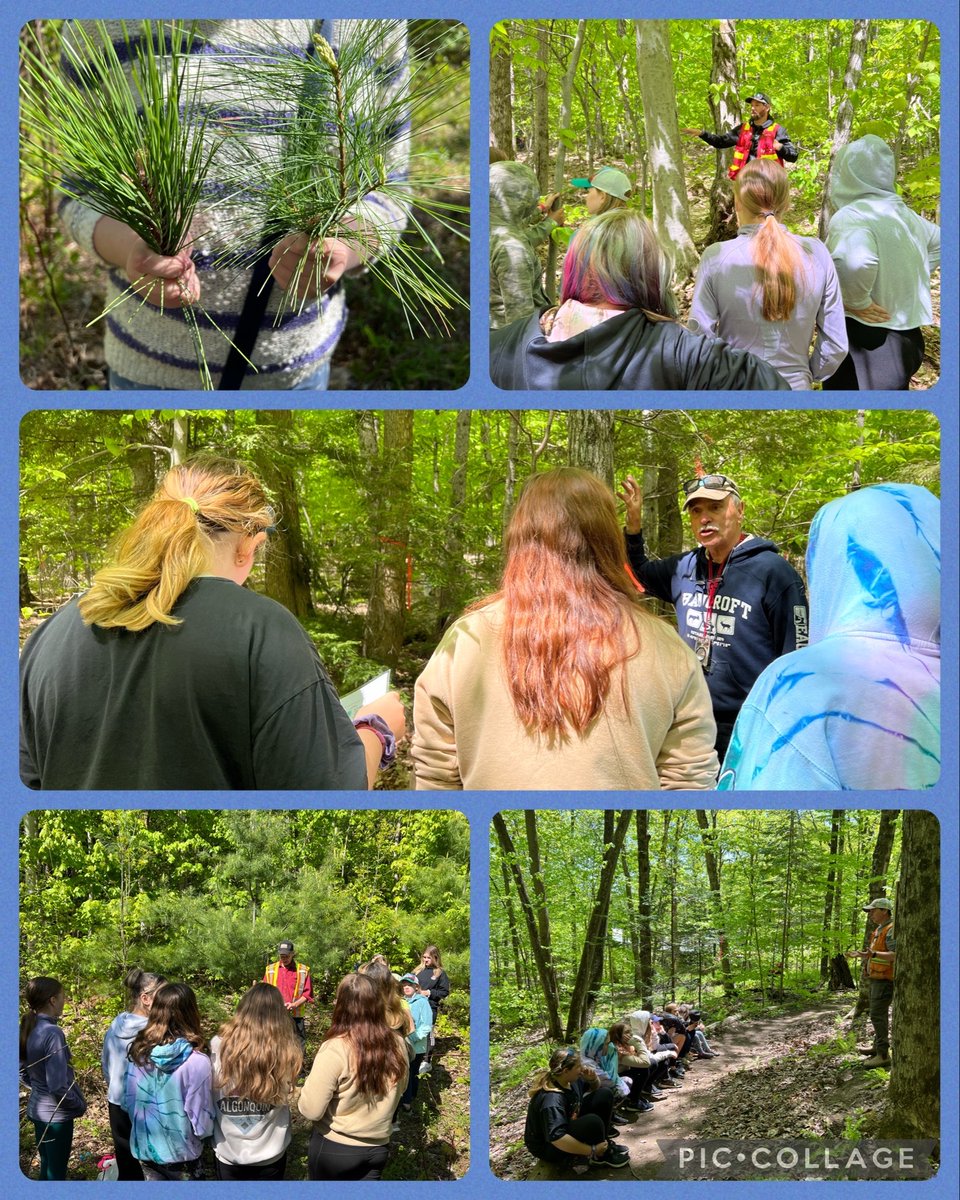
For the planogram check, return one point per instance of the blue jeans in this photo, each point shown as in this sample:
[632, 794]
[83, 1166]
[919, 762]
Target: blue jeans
[317, 382]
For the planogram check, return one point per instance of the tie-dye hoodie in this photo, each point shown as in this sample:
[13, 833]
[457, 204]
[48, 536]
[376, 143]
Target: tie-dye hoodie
[170, 1104]
[860, 706]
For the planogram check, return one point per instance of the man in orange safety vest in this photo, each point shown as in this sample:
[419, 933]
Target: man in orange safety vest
[292, 978]
[760, 137]
[878, 961]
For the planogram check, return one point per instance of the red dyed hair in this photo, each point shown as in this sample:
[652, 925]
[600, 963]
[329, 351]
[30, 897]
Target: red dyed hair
[379, 1057]
[571, 617]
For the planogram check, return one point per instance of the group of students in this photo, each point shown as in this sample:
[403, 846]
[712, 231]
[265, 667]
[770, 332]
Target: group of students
[771, 310]
[616, 1074]
[169, 1090]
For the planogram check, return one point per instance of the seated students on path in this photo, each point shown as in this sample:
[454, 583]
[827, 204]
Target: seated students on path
[567, 1120]
[662, 1053]
[739, 604]
[884, 254]
[167, 1093]
[354, 1086]
[860, 706]
[561, 679]
[141, 987]
[168, 673]
[45, 1068]
[769, 291]
[633, 1066]
[435, 986]
[701, 1047]
[608, 189]
[516, 273]
[256, 1058]
[615, 326]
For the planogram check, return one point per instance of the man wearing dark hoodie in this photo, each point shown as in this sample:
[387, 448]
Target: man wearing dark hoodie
[860, 706]
[739, 603]
[884, 254]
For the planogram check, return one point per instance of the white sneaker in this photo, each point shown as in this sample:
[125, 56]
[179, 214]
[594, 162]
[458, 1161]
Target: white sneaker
[425, 1068]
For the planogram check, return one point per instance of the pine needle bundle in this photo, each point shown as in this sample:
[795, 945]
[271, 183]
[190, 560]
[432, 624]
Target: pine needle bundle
[334, 161]
[118, 126]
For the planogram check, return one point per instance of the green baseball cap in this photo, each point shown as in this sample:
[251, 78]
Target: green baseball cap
[607, 179]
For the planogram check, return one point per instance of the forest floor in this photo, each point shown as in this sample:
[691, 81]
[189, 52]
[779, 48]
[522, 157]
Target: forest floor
[433, 1142]
[790, 1075]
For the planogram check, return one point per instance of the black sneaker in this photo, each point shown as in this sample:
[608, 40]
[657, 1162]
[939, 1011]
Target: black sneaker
[614, 1156]
[618, 1119]
[646, 1107]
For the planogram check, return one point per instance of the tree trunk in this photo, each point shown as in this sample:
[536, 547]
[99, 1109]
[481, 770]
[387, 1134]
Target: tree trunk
[501, 96]
[540, 955]
[512, 925]
[592, 944]
[724, 99]
[645, 989]
[287, 566]
[540, 894]
[876, 888]
[566, 96]
[593, 988]
[390, 508]
[452, 590]
[912, 1109]
[711, 856]
[859, 43]
[590, 441]
[826, 943]
[540, 150]
[510, 469]
[671, 214]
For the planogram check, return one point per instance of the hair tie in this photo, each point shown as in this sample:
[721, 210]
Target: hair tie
[189, 500]
[768, 214]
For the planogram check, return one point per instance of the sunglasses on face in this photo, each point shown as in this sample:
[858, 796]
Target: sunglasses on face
[707, 481]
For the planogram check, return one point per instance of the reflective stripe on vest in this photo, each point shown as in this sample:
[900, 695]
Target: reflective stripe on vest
[764, 147]
[272, 976]
[880, 968]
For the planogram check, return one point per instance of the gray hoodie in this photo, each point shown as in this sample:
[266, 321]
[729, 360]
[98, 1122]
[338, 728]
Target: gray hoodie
[884, 252]
[516, 287]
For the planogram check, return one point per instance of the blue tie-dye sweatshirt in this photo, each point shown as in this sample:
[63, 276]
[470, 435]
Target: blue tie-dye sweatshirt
[860, 706]
[170, 1104]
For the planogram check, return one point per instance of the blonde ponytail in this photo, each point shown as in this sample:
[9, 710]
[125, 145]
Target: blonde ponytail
[762, 189]
[171, 543]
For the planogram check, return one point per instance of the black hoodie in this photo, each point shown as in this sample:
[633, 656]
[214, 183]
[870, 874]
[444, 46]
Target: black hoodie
[625, 352]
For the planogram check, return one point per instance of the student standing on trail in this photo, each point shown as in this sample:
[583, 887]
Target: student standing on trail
[884, 253]
[739, 604]
[292, 980]
[760, 137]
[879, 963]
[45, 1068]
[169, 673]
[609, 188]
[516, 273]
[435, 987]
[141, 987]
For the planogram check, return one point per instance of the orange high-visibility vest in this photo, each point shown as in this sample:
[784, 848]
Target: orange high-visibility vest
[880, 968]
[272, 976]
[764, 147]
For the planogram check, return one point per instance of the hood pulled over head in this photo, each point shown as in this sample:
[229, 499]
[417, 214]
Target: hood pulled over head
[514, 192]
[862, 168]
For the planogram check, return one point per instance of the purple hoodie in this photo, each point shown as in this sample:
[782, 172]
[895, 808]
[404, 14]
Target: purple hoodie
[170, 1104]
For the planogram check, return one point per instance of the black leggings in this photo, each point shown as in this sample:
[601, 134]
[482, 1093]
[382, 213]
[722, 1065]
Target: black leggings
[127, 1165]
[338, 1160]
[588, 1129]
[639, 1080]
[879, 359]
[272, 1170]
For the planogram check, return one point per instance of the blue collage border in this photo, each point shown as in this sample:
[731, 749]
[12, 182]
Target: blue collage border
[16, 400]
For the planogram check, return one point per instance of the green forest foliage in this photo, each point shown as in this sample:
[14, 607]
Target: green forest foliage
[775, 871]
[84, 473]
[204, 896]
[800, 64]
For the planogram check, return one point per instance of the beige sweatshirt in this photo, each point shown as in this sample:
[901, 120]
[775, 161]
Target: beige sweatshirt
[467, 735]
[331, 1098]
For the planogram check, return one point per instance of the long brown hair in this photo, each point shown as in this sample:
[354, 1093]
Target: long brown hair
[259, 1056]
[171, 542]
[570, 615]
[174, 1014]
[379, 1058]
[435, 952]
[38, 993]
[398, 1015]
[762, 188]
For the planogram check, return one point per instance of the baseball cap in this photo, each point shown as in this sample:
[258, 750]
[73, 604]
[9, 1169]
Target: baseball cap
[285, 948]
[764, 99]
[408, 978]
[607, 179]
[880, 902]
[709, 487]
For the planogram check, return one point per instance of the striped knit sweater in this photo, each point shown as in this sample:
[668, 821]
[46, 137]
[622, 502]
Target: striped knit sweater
[153, 347]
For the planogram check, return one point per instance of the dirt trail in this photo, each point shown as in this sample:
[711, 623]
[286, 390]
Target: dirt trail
[743, 1045]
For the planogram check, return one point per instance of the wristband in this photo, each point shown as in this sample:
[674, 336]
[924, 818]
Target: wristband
[388, 742]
